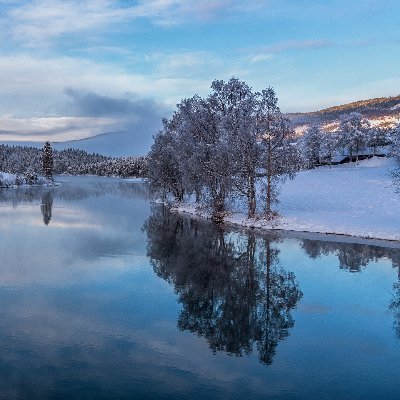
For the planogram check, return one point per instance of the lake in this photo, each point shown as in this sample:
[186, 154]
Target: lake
[106, 295]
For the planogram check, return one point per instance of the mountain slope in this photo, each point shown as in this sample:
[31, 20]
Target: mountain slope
[381, 111]
[114, 144]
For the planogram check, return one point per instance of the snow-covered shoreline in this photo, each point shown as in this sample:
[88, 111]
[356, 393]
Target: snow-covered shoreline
[13, 181]
[356, 200]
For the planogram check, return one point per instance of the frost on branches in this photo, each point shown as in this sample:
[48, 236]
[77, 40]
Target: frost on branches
[354, 133]
[224, 146]
[395, 151]
[354, 138]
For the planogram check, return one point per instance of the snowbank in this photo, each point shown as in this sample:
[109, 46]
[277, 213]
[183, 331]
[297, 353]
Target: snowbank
[14, 181]
[349, 199]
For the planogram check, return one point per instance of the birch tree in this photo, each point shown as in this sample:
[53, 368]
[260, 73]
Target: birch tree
[279, 159]
[353, 130]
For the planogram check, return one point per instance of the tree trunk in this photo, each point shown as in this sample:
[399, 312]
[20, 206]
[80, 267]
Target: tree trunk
[268, 199]
[357, 152]
[251, 197]
[218, 209]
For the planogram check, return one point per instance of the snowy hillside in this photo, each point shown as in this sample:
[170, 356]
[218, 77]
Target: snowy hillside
[350, 199]
[114, 144]
[383, 112]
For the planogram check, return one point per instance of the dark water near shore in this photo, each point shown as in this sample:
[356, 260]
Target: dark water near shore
[105, 295]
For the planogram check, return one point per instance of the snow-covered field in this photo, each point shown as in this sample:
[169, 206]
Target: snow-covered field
[349, 199]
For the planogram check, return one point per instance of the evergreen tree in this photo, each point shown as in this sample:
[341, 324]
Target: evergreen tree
[47, 161]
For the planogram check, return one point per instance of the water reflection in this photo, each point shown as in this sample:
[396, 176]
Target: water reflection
[394, 307]
[83, 315]
[233, 291]
[46, 207]
[354, 257]
[72, 189]
[351, 256]
[76, 189]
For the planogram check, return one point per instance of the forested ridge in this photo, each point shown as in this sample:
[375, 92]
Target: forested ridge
[23, 159]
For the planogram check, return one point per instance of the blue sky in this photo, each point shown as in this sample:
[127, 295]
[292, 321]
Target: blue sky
[72, 69]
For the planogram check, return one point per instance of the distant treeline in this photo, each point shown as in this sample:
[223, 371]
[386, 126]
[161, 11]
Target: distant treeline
[24, 159]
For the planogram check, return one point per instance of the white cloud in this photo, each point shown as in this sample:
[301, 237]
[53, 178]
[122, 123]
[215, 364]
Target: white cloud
[39, 22]
[255, 58]
[36, 87]
[54, 129]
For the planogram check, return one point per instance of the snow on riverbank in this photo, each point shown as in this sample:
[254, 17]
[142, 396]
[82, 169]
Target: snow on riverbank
[349, 199]
[15, 181]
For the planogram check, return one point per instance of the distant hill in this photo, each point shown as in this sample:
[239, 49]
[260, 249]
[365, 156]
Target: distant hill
[113, 144]
[381, 111]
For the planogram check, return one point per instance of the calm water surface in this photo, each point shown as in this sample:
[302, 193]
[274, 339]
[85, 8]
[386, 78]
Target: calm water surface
[106, 296]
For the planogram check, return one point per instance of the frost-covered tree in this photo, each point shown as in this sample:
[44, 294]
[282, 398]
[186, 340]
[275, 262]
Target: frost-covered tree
[47, 161]
[219, 146]
[312, 146]
[329, 146]
[164, 172]
[280, 159]
[353, 129]
[377, 137]
[236, 106]
[395, 142]
[395, 152]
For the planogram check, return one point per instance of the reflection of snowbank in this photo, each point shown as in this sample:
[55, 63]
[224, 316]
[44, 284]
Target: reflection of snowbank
[349, 199]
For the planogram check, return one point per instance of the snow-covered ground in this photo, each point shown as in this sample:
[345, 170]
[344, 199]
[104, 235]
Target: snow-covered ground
[349, 199]
[13, 181]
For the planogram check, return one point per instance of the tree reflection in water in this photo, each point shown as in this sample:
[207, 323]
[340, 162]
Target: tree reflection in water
[232, 289]
[353, 257]
[46, 207]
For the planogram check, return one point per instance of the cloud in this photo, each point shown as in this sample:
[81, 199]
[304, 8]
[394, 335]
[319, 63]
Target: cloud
[298, 45]
[185, 63]
[91, 104]
[35, 23]
[40, 22]
[255, 58]
[53, 128]
[131, 123]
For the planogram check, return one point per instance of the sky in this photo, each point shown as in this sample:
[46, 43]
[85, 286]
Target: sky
[73, 69]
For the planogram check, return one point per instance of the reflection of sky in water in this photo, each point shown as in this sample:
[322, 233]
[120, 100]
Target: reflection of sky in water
[84, 316]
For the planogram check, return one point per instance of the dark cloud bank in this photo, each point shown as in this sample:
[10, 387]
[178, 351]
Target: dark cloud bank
[136, 121]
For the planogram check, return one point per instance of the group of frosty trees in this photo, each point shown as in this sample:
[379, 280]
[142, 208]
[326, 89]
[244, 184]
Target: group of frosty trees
[221, 146]
[354, 137]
